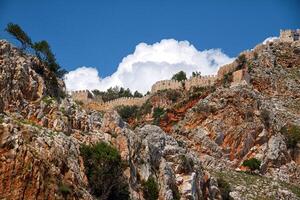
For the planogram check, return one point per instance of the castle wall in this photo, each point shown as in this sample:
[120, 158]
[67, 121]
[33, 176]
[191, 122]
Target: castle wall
[123, 101]
[289, 35]
[240, 77]
[166, 84]
[82, 95]
[225, 69]
[200, 81]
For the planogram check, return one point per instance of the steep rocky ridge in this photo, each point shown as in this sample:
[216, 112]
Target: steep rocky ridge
[41, 132]
[227, 125]
[203, 135]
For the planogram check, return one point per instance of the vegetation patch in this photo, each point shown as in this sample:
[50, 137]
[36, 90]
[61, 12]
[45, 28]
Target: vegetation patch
[180, 76]
[225, 189]
[127, 112]
[173, 95]
[41, 48]
[48, 100]
[252, 164]
[150, 189]
[104, 170]
[227, 79]
[115, 93]
[241, 60]
[158, 113]
[292, 134]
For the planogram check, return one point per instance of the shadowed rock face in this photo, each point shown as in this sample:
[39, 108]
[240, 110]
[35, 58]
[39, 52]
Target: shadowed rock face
[207, 136]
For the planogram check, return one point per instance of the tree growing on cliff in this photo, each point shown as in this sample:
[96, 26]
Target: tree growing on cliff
[43, 52]
[42, 48]
[104, 170]
[180, 76]
[16, 31]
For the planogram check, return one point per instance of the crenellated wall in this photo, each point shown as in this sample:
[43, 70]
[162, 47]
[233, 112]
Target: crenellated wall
[201, 81]
[166, 84]
[82, 95]
[225, 69]
[289, 35]
[239, 77]
[123, 101]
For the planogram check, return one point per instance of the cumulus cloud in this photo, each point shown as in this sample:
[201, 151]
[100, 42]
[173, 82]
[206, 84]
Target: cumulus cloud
[269, 39]
[82, 78]
[148, 64]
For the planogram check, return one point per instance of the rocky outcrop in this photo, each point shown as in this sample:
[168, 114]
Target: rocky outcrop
[196, 152]
[24, 78]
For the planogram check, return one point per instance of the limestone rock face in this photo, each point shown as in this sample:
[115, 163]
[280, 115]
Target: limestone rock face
[23, 78]
[196, 150]
[37, 163]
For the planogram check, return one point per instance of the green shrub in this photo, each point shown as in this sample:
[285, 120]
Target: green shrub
[252, 164]
[225, 188]
[146, 108]
[157, 115]
[150, 189]
[180, 76]
[115, 93]
[104, 170]
[227, 79]
[241, 60]
[292, 134]
[127, 112]
[173, 95]
[48, 100]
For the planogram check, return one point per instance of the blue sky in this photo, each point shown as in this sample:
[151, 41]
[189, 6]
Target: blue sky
[101, 33]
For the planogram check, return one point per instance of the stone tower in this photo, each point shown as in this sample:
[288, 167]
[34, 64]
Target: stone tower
[289, 35]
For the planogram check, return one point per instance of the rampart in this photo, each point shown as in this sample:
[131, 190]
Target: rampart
[165, 84]
[225, 69]
[289, 35]
[200, 81]
[123, 101]
[84, 96]
[239, 77]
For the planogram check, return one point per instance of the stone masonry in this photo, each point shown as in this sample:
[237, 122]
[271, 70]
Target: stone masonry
[290, 35]
[240, 77]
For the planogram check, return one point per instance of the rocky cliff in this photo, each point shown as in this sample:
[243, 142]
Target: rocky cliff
[41, 132]
[192, 144]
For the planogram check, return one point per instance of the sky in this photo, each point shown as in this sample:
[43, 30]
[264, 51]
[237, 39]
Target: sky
[134, 43]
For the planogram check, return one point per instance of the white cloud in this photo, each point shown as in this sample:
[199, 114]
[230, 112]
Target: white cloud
[148, 64]
[82, 78]
[269, 39]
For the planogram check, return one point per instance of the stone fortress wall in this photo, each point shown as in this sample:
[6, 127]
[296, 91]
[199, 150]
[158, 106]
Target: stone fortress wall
[289, 35]
[84, 96]
[240, 77]
[165, 84]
